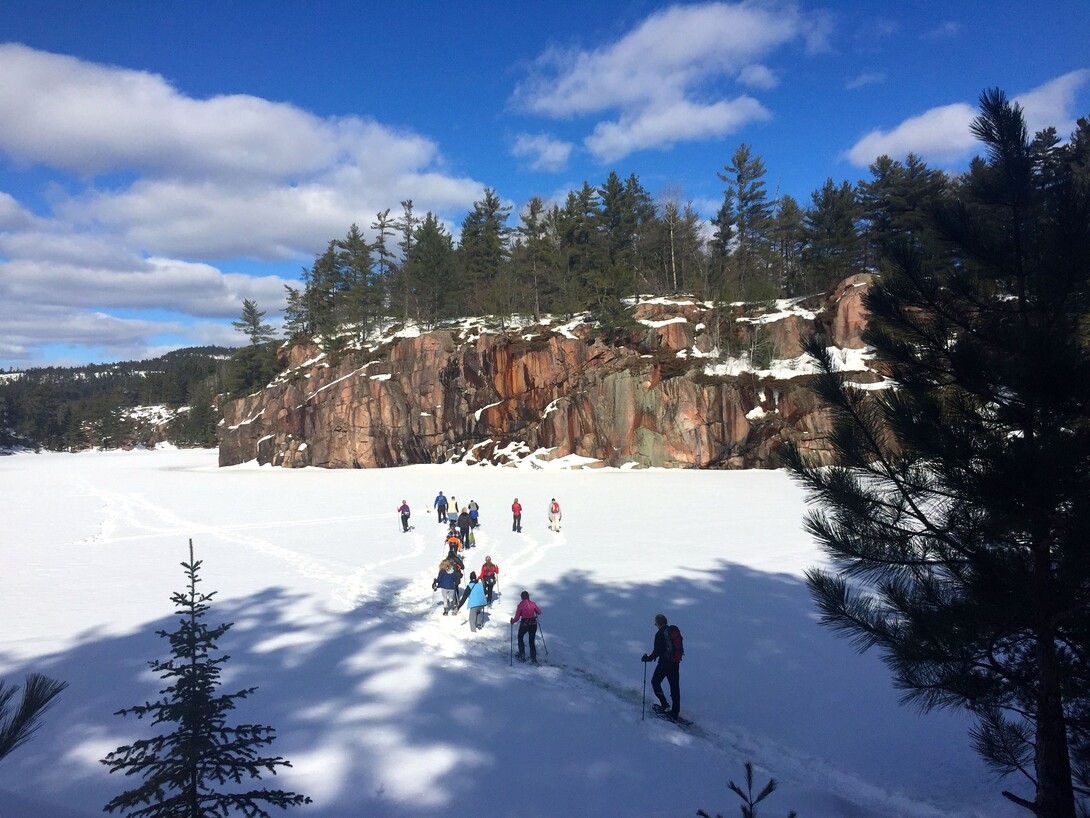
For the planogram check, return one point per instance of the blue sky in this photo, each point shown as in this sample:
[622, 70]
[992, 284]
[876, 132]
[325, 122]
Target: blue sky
[161, 162]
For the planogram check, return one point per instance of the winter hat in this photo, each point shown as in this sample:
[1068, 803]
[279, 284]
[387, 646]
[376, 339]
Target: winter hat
[488, 559]
[525, 595]
[472, 576]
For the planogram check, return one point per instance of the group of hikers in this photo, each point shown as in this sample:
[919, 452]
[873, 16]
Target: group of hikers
[479, 592]
[468, 518]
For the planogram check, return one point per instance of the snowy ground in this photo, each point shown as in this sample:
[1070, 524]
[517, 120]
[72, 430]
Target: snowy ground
[387, 708]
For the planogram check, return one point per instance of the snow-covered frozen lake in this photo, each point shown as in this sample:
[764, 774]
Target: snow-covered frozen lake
[387, 708]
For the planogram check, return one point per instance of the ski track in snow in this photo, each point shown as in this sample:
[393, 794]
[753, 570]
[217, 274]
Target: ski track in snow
[350, 589]
[415, 609]
[451, 642]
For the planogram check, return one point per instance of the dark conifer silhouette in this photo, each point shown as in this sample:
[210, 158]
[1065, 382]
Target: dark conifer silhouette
[18, 724]
[958, 523]
[196, 770]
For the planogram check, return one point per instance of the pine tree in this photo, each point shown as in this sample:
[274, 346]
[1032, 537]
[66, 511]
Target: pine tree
[531, 254]
[833, 244]
[752, 221]
[252, 323]
[296, 320]
[18, 724]
[483, 249]
[431, 264]
[359, 291]
[401, 288]
[198, 769]
[788, 240]
[957, 523]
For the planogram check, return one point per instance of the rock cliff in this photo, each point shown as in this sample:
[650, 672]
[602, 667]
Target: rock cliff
[695, 387]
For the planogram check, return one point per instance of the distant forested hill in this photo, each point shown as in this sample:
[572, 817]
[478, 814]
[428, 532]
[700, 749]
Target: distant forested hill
[171, 397]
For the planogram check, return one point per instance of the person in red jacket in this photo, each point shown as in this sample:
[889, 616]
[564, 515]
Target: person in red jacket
[526, 615]
[490, 572]
[516, 513]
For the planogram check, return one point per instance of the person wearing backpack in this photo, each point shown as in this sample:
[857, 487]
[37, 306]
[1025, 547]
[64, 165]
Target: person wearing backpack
[474, 594]
[440, 507]
[668, 650]
[554, 515]
[490, 572]
[464, 523]
[403, 509]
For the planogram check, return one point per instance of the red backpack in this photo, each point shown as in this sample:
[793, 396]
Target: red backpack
[677, 644]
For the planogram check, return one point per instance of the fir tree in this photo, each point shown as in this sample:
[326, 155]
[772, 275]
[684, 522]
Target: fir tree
[198, 769]
[958, 523]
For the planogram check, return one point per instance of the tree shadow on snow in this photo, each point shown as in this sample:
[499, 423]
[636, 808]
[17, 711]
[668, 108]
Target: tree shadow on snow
[364, 700]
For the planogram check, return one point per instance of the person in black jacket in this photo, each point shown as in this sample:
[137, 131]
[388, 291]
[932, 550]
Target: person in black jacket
[667, 669]
[463, 526]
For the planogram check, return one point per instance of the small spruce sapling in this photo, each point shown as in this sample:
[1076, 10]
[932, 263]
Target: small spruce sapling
[195, 770]
[749, 807]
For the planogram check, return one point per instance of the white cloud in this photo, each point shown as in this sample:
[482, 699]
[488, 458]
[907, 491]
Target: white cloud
[1054, 103]
[545, 152]
[663, 125]
[13, 216]
[232, 176]
[759, 77]
[942, 134]
[187, 288]
[865, 79]
[658, 68]
[944, 31]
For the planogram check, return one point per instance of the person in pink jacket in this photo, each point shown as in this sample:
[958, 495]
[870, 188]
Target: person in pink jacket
[526, 615]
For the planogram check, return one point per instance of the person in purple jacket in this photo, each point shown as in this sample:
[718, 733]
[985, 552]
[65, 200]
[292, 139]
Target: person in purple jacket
[526, 615]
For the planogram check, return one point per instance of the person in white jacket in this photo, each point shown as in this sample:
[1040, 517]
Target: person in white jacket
[554, 515]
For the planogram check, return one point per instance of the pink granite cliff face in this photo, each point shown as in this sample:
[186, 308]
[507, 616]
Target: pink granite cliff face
[501, 396]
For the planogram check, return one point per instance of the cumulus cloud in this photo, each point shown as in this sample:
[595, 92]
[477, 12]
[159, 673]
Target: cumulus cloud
[1054, 103]
[666, 124]
[659, 67]
[544, 152]
[229, 176]
[942, 134]
[759, 77]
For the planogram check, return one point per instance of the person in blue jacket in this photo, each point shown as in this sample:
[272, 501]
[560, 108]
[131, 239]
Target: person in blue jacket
[474, 594]
[440, 506]
[447, 582]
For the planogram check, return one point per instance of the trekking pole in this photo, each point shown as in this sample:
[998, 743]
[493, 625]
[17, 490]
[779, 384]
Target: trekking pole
[512, 662]
[541, 633]
[643, 707]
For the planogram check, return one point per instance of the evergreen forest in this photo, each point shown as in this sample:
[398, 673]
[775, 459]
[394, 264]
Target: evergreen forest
[604, 244]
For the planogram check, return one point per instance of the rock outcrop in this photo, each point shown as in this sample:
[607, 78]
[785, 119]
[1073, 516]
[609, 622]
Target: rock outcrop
[689, 391]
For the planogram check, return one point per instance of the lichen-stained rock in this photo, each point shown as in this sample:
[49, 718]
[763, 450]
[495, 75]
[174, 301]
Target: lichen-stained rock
[500, 396]
[851, 315]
